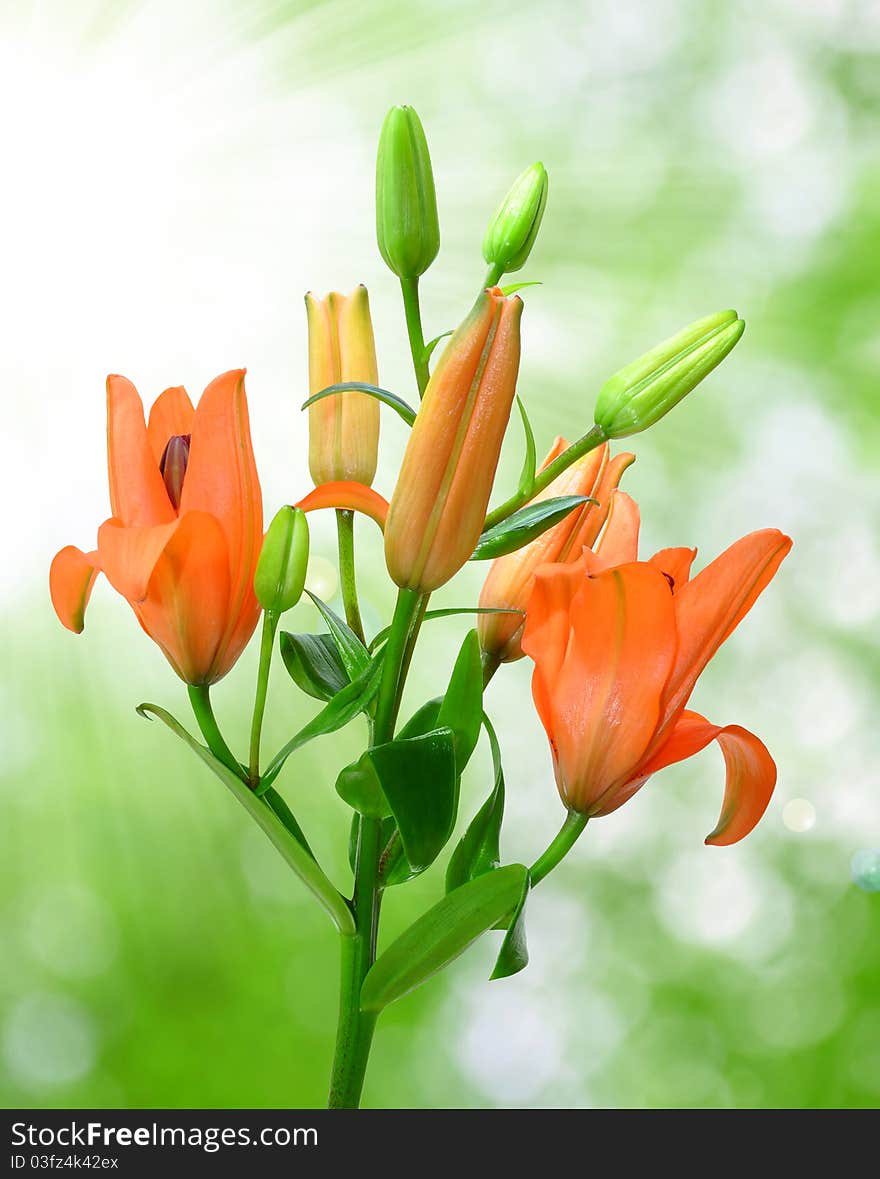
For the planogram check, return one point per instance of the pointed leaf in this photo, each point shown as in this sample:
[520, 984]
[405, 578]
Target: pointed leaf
[423, 720]
[530, 460]
[354, 655]
[417, 776]
[432, 344]
[478, 849]
[525, 525]
[514, 953]
[441, 935]
[313, 664]
[293, 852]
[348, 703]
[358, 785]
[462, 707]
[385, 395]
[513, 287]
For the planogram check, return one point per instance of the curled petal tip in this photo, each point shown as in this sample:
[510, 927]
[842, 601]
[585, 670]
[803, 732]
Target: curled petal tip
[347, 495]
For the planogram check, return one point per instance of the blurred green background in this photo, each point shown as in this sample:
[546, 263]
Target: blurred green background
[178, 176]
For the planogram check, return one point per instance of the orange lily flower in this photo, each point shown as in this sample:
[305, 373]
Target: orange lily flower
[509, 583]
[183, 541]
[618, 645]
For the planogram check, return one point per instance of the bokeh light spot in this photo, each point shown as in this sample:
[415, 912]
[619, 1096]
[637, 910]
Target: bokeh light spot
[865, 869]
[48, 1040]
[799, 814]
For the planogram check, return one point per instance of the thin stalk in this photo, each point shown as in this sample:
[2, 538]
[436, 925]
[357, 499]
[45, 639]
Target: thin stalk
[345, 538]
[267, 642]
[355, 1030]
[593, 438]
[493, 276]
[560, 847]
[410, 289]
[200, 698]
[489, 664]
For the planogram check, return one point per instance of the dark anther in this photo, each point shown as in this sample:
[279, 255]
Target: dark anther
[172, 466]
[671, 581]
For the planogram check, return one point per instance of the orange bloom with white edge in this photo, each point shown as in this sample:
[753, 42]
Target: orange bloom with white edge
[343, 427]
[439, 505]
[618, 645]
[183, 541]
[511, 578]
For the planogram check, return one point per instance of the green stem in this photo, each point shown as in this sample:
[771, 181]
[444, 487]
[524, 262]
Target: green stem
[410, 290]
[200, 698]
[593, 438]
[560, 847]
[391, 685]
[354, 1034]
[355, 1030]
[267, 642]
[490, 664]
[345, 538]
[493, 276]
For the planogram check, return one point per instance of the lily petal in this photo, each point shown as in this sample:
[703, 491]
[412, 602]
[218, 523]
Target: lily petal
[675, 563]
[171, 413]
[345, 493]
[711, 606]
[221, 480]
[128, 556]
[186, 604]
[137, 492]
[619, 543]
[751, 771]
[71, 578]
[606, 695]
[609, 476]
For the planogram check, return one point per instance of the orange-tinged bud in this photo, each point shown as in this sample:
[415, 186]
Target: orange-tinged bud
[511, 578]
[343, 428]
[439, 504]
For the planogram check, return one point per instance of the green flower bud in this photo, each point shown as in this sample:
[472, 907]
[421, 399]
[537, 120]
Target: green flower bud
[513, 229]
[640, 394]
[407, 228]
[281, 569]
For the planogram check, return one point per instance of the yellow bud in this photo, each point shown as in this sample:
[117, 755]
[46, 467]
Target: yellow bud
[344, 427]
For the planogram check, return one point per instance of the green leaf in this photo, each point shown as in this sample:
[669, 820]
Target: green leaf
[273, 799]
[400, 406]
[417, 776]
[525, 526]
[462, 707]
[432, 344]
[513, 287]
[514, 953]
[353, 699]
[354, 655]
[313, 664]
[423, 720]
[478, 850]
[448, 612]
[530, 459]
[441, 935]
[302, 862]
[358, 785]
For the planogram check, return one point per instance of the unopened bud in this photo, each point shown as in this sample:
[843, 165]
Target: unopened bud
[513, 229]
[407, 228]
[281, 570]
[640, 394]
